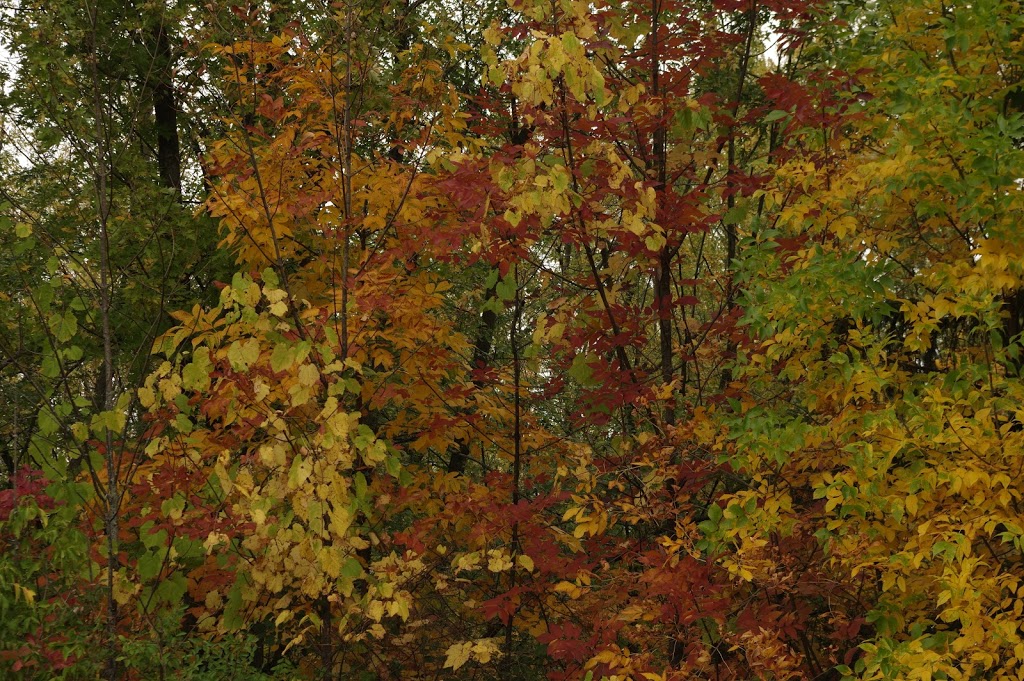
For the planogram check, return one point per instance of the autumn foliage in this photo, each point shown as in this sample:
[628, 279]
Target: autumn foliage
[559, 340]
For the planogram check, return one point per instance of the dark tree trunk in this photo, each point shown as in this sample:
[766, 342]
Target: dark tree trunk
[165, 110]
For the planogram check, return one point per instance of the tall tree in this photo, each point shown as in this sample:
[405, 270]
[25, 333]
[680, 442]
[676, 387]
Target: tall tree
[102, 244]
[419, 339]
[882, 374]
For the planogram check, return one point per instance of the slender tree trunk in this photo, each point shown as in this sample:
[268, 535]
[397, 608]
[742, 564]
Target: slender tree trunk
[482, 342]
[517, 444]
[105, 387]
[663, 276]
[731, 228]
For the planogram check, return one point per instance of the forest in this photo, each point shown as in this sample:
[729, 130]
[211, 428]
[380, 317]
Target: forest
[514, 340]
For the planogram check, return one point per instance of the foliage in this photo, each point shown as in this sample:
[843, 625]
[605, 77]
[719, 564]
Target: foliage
[892, 430]
[44, 561]
[566, 340]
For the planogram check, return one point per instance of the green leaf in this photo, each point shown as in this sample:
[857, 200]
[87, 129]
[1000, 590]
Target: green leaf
[44, 296]
[393, 466]
[150, 564]
[173, 507]
[50, 366]
[492, 278]
[597, 86]
[181, 402]
[47, 423]
[560, 181]
[64, 326]
[240, 283]
[196, 375]
[183, 424]
[24, 246]
[581, 372]
[152, 539]
[360, 486]
[352, 568]
[506, 288]
[172, 588]
[299, 471]
[736, 214]
[282, 357]
[233, 609]
[405, 478]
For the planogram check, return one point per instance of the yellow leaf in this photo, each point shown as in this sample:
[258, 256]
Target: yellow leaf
[458, 655]
[486, 649]
[331, 562]
[568, 588]
[24, 592]
[498, 561]
[80, 431]
[308, 375]
[604, 657]
[468, 561]
[631, 614]
[375, 611]
[911, 504]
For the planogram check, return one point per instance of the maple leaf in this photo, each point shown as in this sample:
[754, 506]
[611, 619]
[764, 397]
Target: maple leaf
[457, 655]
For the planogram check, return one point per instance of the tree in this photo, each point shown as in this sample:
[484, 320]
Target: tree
[100, 245]
[568, 340]
[877, 414]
